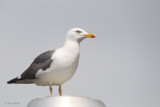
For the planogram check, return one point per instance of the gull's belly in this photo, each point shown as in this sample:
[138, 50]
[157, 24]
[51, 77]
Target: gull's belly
[59, 76]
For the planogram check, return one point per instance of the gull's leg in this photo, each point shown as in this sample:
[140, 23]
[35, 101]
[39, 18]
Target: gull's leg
[50, 88]
[60, 90]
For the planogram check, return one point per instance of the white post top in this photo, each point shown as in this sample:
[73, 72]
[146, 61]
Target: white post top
[65, 101]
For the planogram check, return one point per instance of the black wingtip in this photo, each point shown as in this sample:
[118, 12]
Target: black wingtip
[9, 82]
[13, 80]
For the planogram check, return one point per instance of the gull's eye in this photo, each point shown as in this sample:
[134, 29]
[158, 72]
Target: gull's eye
[78, 31]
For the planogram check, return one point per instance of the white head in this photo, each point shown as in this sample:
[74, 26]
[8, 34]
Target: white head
[78, 34]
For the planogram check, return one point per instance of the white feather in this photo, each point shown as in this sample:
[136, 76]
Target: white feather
[64, 65]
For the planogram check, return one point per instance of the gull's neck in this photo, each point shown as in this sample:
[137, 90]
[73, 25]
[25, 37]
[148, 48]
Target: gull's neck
[71, 45]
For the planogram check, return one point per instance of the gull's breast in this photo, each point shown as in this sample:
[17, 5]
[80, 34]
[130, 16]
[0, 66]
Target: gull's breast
[62, 68]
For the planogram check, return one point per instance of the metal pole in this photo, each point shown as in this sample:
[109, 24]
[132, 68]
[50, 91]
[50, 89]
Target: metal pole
[65, 101]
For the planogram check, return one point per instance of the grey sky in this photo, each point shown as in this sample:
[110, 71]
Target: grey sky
[121, 66]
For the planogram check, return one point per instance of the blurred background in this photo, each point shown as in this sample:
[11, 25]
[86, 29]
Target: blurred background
[121, 67]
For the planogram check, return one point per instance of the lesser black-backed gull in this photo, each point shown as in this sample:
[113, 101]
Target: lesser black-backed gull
[55, 67]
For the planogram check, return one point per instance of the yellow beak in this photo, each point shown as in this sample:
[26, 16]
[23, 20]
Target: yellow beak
[90, 35]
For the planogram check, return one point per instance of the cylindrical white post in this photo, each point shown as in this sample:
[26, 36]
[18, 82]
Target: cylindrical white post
[65, 101]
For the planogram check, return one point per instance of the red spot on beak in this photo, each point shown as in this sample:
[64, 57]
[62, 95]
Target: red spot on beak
[92, 36]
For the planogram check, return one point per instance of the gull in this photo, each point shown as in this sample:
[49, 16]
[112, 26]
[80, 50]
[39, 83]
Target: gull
[55, 67]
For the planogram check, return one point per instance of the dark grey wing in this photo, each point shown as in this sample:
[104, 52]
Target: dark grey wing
[43, 61]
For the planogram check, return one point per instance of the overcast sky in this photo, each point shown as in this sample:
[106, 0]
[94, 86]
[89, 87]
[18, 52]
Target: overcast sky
[121, 67]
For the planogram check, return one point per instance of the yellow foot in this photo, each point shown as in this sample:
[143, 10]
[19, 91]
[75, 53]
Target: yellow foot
[50, 88]
[60, 90]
